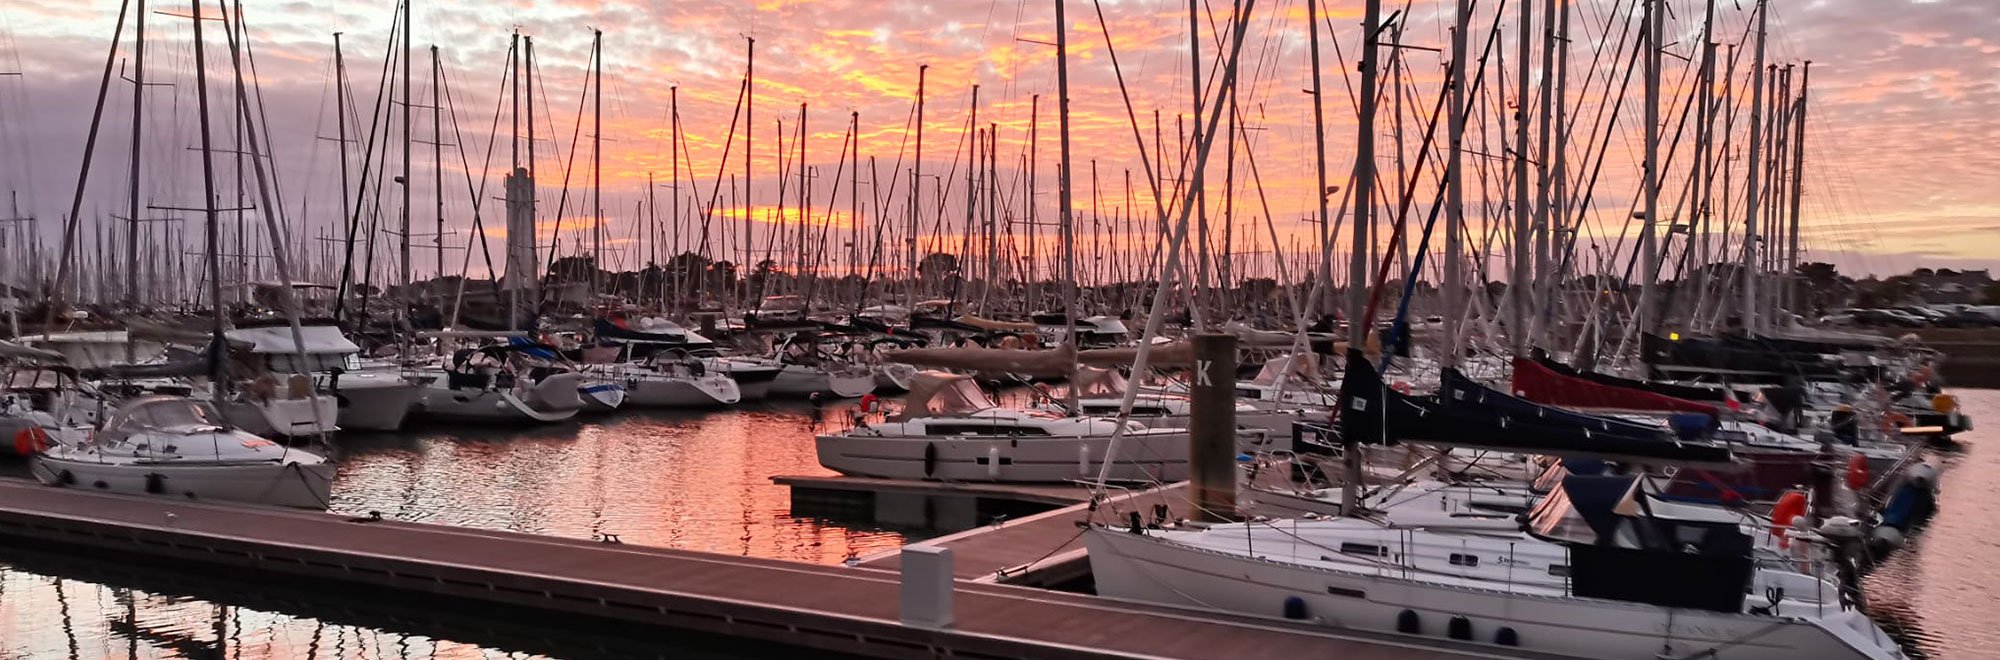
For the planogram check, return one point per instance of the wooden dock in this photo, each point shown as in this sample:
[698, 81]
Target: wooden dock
[1050, 494]
[1042, 550]
[823, 608]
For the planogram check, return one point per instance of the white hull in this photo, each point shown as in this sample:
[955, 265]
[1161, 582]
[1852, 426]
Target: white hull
[753, 378]
[375, 401]
[1143, 456]
[287, 418]
[1137, 567]
[797, 380]
[682, 392]
[305, 486]
[894, 377]
[554, 399]
[600, 396]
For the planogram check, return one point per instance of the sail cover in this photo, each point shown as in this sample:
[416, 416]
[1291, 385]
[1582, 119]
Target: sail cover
[1467, 414]
[1711, 395]
[1539, 383]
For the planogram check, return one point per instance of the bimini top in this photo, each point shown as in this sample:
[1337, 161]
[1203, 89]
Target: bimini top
[318, 340]
[942, 393]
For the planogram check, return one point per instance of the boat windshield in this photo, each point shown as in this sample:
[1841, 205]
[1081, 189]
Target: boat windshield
[160, 413]
[1099, 383]
[1586, 509]
[958, 396]
[1302, 368]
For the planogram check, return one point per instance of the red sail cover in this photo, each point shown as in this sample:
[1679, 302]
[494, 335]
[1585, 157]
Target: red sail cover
[1539, 384]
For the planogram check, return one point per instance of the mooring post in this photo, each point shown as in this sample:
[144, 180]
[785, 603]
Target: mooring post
[1212, 429]
[927, 586]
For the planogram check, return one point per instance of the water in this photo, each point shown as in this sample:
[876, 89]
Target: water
[693, 480]
[701, 481]
[1942, 599]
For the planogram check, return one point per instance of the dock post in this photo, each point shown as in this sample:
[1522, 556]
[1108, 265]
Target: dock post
[927, 587]
[1212, 429]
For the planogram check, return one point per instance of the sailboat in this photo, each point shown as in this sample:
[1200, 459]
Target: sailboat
[179, 447]
[950, 430]
[502, 383]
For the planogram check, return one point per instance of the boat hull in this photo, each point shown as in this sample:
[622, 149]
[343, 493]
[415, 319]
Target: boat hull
[797, 380]
[703, 392]
[1139, 567]
[297, 485]
[1146, 456]
[375, 402]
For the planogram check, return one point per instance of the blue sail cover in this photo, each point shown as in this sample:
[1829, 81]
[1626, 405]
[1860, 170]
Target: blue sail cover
[1468, 414]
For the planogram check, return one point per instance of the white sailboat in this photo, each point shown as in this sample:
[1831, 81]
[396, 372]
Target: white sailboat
[949, 430]
[1610, 579]
[177, 447]
[494, 384]
[662, 381]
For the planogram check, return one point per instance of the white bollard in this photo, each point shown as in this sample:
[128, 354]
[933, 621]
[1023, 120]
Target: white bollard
[927, 587]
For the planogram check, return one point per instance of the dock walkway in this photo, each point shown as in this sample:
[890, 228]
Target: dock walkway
[1041, 550]
[829, 608]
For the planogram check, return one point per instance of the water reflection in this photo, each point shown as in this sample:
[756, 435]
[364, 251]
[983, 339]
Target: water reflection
[698, 481]
[1940, 593]
[46, 616]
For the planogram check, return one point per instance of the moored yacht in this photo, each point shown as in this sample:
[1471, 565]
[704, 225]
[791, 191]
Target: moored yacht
[1596, 573]
[177, 447]
[949, 430]
[499, 383]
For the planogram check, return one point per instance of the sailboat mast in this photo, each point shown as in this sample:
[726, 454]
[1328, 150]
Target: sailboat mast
[1794, 287]
[1704, 148]
[749, 155]
[673, 146]
[408, 98]
[212, 223]
[1454, 271]
[339, 108]
[1523, 271]
[1542, 226]
[514, 263]
[437, 159]
[1068, 214]
[1364, 199]
[138, 132]
[597, 164]
[916, 187]
[1034, 224]
[1203, 296]
[1649, 298]
[1319, 146]
[1749, 305]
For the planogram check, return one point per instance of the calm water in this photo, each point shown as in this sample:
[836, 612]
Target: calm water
[702, 482]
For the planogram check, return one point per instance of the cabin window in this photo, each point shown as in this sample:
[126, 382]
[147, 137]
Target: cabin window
[1468, 561]
[1366, 549]
[1559, 570]
[983, 429]
[1350, 593]
[1249, 393]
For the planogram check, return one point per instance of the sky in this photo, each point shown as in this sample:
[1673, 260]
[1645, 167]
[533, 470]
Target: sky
[1899, 160]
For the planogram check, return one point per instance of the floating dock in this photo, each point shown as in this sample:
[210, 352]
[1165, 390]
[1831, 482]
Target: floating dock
[1043, 550]
[825, 608]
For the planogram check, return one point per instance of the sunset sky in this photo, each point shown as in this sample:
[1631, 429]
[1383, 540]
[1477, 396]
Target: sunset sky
[1901, 161]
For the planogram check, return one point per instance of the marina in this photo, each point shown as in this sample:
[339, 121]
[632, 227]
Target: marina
[1543, 330]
